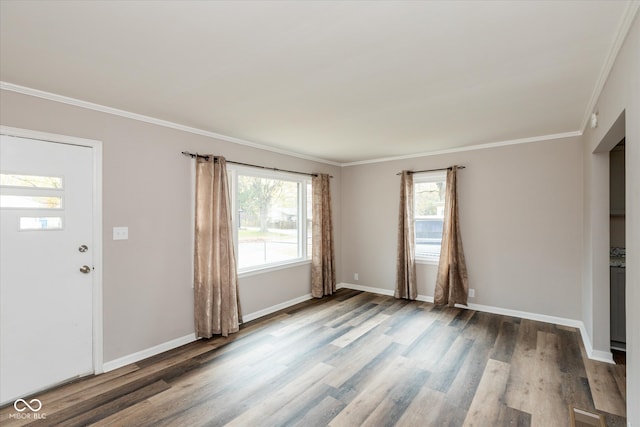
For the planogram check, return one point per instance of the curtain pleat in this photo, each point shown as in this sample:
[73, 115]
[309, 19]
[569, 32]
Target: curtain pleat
[216, 302]
[406, 286]
[323, 272]
[452, 283]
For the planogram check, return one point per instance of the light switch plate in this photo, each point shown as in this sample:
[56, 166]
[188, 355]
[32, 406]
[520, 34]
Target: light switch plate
[120, 233]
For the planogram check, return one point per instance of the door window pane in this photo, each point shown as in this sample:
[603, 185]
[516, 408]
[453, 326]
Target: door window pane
[30, 181]
[41, 223]
[30, 202]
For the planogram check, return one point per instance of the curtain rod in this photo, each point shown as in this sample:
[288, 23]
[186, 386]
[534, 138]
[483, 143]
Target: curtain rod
[194, 155]
[432, 170]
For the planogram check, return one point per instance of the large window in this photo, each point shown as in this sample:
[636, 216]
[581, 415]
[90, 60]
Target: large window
[429, 194]
[272, 218]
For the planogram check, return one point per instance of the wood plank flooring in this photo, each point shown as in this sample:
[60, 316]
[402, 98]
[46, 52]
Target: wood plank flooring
[354, 359]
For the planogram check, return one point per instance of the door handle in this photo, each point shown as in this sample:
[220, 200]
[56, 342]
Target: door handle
[85, 269]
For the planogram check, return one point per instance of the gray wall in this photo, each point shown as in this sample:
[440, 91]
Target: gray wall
[520, 209]
[148, 299]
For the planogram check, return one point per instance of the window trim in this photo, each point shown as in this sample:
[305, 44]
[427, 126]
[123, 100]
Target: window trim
[303, 181]
[418, 178]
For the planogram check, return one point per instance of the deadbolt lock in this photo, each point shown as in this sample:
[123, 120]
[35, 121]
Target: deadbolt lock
[83, 248]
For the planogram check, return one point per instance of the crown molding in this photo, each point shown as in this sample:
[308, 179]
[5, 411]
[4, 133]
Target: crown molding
[147, 119]
[623, 29]
[470, 148]
[626, 22]
[134, 116]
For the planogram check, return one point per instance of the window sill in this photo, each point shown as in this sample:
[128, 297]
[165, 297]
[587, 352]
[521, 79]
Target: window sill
[428, 261]
[254, 271]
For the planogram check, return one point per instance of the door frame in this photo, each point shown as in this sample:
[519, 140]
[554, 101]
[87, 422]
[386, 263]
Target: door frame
[96, 150]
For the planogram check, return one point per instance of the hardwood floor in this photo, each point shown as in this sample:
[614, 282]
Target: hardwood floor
[355, 359]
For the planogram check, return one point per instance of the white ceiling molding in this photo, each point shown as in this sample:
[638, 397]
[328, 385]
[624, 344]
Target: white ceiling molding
[338, 83]
[470, 148]
[623, 29]
[332, 82]
[134, 116]
[142, 118]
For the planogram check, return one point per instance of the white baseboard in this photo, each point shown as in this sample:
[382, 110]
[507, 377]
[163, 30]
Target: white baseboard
[425, 298]
[369, 289]
[152, 351]
[524, 315]
[256, 314]
[601, 356]
[379, 291]
[170, 345]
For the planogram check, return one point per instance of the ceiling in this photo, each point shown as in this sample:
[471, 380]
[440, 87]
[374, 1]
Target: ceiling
[339, 81]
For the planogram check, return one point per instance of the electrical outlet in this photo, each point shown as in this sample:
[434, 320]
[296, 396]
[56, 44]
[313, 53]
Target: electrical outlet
[355, 276]
[472, 293]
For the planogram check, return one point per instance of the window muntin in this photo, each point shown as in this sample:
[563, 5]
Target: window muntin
[429, 196]
[271, 221]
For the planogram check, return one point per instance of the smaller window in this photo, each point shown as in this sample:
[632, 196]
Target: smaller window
[429, 195]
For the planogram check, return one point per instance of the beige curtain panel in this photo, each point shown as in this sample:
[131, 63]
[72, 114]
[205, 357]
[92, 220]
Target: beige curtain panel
[406, 286]
[217, 307]
[452, 284]
[323, 270]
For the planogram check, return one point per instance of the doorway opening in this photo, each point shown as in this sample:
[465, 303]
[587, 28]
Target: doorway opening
[617, 252]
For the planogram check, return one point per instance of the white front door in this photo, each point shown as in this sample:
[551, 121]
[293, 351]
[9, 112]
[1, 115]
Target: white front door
[46, 264]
